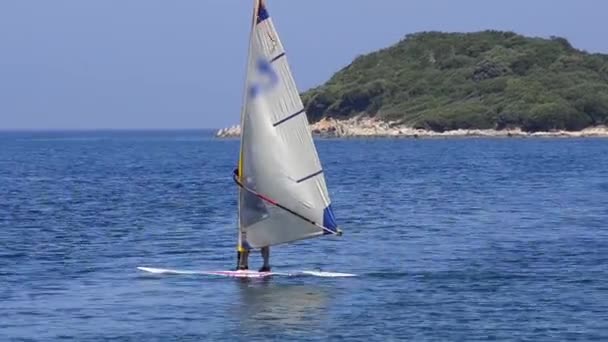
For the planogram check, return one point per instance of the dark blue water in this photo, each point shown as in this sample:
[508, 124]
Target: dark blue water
[454, 240]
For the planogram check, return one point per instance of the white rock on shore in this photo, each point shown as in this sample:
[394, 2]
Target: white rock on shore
[232, 131]
[370, 127]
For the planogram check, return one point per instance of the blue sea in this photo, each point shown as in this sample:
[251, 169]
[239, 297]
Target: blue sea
[466, 239]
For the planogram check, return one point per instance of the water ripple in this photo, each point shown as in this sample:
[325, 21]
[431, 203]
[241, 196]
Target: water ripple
[462, 239]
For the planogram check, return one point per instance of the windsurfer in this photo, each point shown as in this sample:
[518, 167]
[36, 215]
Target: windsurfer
[243, 256]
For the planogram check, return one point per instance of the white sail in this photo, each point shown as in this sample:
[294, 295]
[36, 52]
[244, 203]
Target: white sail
[283, 196]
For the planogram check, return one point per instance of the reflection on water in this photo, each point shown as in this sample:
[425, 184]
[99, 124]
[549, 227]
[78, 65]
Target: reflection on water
[266, 303]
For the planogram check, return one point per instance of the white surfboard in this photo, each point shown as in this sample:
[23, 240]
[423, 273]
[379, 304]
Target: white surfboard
[246, 274]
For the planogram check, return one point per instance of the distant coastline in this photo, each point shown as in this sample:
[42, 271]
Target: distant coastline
[370, 127]
[471, 84]
[480, 84]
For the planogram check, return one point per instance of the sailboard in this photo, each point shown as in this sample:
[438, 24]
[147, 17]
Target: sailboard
[283, 194]
[245, 273]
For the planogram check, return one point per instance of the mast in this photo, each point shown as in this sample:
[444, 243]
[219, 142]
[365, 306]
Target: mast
[239, 175]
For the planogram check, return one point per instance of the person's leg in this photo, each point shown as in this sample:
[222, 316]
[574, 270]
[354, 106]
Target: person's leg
[265, 251]
[243, 263]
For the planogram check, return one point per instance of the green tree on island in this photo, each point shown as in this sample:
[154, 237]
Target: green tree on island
[490, 79]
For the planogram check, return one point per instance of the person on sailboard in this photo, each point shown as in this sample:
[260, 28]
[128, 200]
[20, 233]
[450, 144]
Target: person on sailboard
[244, 259]
[243, 256]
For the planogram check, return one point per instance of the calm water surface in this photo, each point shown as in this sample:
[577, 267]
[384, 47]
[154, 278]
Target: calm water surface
[453, 240]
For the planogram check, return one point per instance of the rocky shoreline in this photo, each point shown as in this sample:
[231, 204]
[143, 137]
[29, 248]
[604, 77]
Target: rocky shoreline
[370, 127]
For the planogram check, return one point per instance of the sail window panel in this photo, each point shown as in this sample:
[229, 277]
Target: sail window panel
[284, 99]
[280, 227]
[302, 161]
[269, 43]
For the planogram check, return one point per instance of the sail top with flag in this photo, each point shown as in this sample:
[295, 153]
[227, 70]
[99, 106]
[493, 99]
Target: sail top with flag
[283, 196]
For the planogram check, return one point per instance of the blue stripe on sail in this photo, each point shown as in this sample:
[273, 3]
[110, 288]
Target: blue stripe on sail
[262, 13]
[264, 69]
[329, 220]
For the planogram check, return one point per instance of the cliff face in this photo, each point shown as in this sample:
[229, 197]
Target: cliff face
[371, 127]
[455, 81]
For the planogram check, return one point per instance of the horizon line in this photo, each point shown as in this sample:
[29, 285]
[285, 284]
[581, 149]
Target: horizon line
[9, 130]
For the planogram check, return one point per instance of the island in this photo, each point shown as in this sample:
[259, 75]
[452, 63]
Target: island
[489, 83]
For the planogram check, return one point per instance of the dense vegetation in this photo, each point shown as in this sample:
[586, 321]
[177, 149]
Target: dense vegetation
[490, 79]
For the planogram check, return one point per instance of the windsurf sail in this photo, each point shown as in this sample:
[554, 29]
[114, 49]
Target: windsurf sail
[283, 195]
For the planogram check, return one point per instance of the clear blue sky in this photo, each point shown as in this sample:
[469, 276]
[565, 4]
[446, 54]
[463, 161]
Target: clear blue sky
[83, 64]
